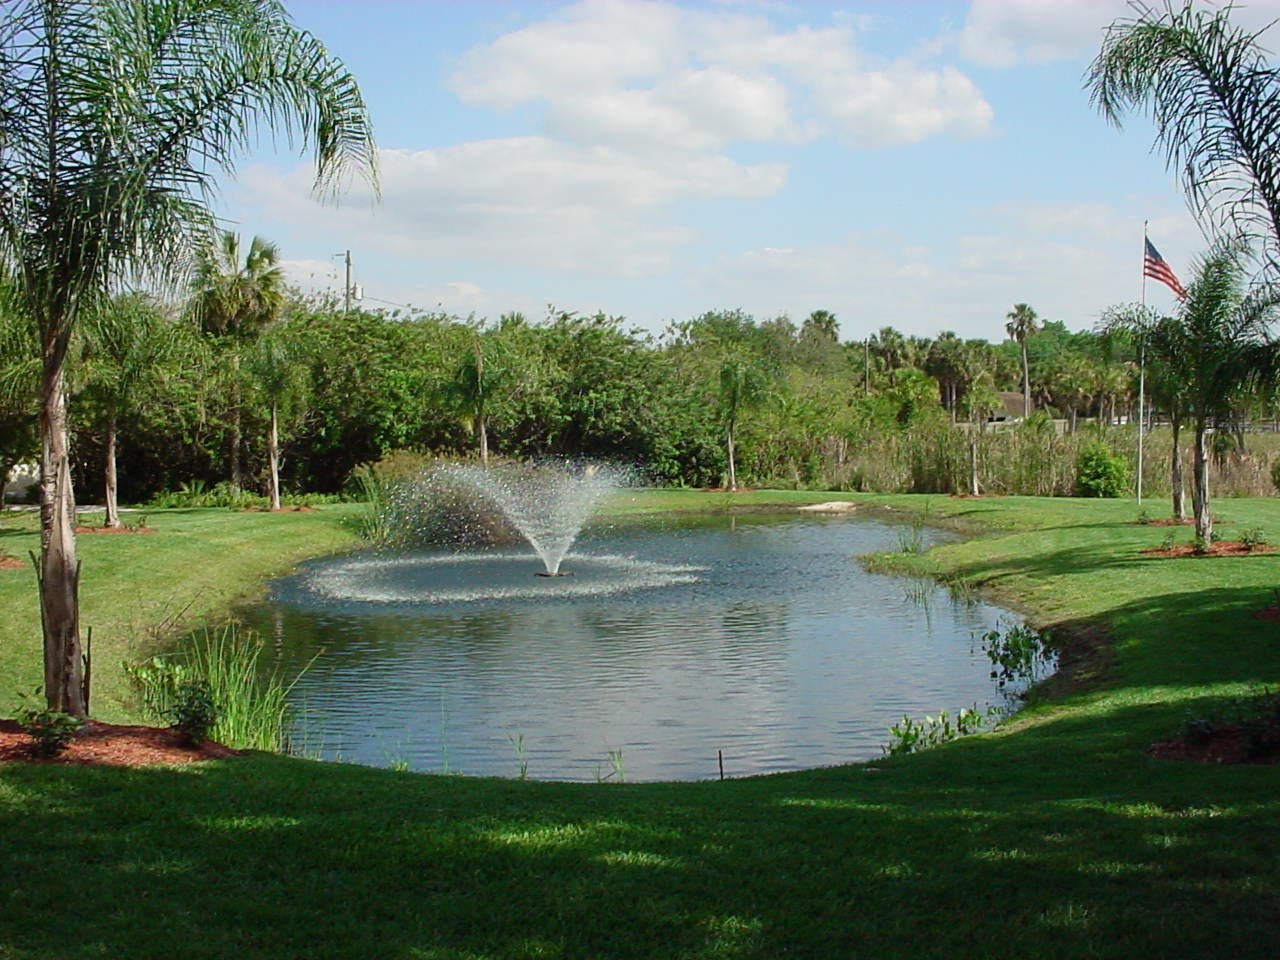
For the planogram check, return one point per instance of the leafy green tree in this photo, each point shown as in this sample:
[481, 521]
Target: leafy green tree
[280, 376]
[1213, 93]
[236, 294]
[130, 346]
[1021, 323]
[19, 385]
[116, 117]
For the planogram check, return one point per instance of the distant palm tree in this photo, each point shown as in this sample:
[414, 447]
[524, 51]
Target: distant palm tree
[475, 382]
[276, 365]
[1213, 92]
[130, 341]
[742, 386]
[1022, 323]
[235, 295]
[116, 120]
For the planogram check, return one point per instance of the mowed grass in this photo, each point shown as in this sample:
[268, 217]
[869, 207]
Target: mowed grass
[1056, 836]
[140, 589]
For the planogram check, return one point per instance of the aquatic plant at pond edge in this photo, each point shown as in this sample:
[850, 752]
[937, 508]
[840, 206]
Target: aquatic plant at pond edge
[1017, 653]
[912, 736]
[252, 706]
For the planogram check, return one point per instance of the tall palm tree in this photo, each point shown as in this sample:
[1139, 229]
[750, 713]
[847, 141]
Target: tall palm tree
[1021, 323]
[1214, 95]
[116, 118]
[130, 341]
[1218, 343]
[475, 382]
[235, 295]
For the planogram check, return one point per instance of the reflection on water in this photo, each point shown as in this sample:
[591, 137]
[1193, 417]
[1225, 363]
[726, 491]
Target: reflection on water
[761, 638]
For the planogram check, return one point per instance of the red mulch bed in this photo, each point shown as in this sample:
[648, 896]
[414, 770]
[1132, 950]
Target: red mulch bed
[1223, 548]
[11, 563]
[1223, 745]
[1267, 613]
[112, 745]
[1168, 522]
[115, 530]
[281, 510]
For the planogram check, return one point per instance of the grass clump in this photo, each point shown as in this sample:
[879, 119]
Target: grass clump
[217, 688]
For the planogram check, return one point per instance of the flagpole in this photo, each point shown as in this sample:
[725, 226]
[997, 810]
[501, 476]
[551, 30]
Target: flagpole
[1142, 363]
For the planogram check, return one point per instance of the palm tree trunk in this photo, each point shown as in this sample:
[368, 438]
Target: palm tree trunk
[973, 461]
[733, 476]
[1200, 484]
[1073, 419]
[113, 511]
[237, 474]
[1026, 381]
[1175, 469]
[273, 457]
[59, 573]
[482, 428]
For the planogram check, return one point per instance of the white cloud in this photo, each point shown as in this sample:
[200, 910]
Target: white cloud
[1003, 33]
[521, 201]
[660, 76]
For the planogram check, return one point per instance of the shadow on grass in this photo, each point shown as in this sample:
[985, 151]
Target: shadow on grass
[995, 846]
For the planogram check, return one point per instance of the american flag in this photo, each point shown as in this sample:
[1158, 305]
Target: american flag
[1153, 266]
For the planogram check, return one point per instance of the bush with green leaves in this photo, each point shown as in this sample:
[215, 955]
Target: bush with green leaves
[51, 730]
[194, 711]
[1101, 473]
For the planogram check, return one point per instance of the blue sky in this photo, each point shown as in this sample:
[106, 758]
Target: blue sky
[920, 164]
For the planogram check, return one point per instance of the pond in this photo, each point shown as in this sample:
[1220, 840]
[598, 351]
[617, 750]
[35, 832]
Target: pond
[755, 638]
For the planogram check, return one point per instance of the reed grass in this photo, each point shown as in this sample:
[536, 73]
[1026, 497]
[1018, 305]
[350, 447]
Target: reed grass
[253, 705]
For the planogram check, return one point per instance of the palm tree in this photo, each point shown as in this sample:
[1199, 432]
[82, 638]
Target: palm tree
[116, 118]
[235, 297]
[1218, 344]
[1021, 323]
[742, 386]
[278, 372]
[475, 381]
[129, 342]
[1214, 96]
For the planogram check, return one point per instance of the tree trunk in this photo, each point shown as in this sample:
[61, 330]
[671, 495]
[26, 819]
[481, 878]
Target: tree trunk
[237, 474]
[113, 511]
[1200, 485]
[733, 476]
[59, 579]
[482, 428]
[1026, 381]
[1175, 470]
[273, 457]
[1073, 419]
[973, 461]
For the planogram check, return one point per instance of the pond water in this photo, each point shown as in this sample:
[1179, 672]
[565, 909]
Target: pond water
[759, 638]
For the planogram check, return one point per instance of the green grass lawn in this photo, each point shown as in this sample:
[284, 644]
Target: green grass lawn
[1053, 837]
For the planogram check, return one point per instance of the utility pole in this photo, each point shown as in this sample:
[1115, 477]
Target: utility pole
[346, 290]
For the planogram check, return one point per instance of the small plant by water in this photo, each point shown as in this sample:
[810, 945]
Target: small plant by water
[912, 736]
[193, 711]
[1017, 654]
[911, 538]
[251, 704]
[517, 741]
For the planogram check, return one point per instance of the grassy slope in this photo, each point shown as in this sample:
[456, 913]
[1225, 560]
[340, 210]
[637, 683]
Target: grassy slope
[194, 565]
[1057, 837]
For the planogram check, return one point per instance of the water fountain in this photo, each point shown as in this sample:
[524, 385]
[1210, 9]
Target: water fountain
[547, 503]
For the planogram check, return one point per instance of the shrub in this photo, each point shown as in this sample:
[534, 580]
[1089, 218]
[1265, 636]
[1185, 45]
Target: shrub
[51, 730]
[1101, 473]
[193, 710]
